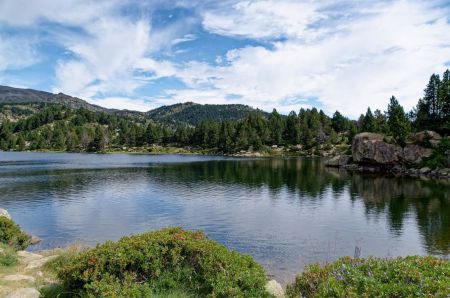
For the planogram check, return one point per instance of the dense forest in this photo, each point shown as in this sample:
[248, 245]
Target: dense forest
[53, 126]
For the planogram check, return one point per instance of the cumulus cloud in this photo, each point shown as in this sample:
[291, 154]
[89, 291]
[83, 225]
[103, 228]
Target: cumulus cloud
[388, 48]
[123, 103]
[16, 52]
[343, 55]
[262, 19]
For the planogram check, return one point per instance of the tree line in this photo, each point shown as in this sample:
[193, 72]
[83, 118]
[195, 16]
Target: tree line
[56, 127]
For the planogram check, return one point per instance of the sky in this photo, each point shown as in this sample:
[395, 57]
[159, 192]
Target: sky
[285, 54]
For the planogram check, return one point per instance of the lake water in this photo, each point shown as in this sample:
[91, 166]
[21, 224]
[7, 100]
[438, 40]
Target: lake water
[284, 212]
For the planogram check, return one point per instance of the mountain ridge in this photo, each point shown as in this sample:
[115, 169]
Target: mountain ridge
[187, 113]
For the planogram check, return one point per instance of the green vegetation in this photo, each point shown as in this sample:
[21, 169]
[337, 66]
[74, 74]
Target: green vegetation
[373, 277]
[192, 114]
[12, 235]
[440, 157]
[8, 256]
[171, 260]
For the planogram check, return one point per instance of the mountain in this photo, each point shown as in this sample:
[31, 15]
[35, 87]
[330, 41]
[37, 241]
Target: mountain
[13, 95]
[31, 101]
[192, 113]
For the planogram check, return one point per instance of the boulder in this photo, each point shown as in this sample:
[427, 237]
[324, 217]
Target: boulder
[34, 240]
[370, 148]
[275, 289]
[425, 138]
[5, 213]
[338, 161]
[424, 170]
[24, 293]
[414, 154]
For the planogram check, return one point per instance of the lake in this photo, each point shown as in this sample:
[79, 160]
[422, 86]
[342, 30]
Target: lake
[285, 213]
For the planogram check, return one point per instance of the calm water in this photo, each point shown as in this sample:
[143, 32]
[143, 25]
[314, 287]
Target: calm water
[284, 212]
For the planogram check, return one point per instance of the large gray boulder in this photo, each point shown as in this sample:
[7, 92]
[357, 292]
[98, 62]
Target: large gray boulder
[427, 138]
[414, 154]
[370, 148]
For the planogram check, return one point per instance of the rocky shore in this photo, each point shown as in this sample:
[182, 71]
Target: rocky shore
[377, 153]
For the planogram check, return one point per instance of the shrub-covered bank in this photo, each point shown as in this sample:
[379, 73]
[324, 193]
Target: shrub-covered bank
[412, 276]
[170, 259]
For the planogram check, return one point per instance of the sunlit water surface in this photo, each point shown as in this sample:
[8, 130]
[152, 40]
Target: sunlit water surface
[283, 212]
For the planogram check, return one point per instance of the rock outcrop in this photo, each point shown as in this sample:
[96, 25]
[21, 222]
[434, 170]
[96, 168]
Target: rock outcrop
[425, 138]
[414, 154]
[370, 148]
[373, 152]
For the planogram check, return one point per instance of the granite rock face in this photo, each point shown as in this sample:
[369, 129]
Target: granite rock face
[370, 148]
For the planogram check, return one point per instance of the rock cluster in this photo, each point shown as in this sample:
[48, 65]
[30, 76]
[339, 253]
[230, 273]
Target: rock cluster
[372, 152]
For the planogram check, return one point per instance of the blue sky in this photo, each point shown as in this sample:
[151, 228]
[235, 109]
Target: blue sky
[285, 54]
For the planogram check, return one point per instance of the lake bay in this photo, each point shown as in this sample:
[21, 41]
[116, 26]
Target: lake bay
[284, 212]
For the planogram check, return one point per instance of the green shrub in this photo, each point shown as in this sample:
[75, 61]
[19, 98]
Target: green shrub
[8, 256]
[412, 276]
[12, 235]
[170, 259]
[439, 158]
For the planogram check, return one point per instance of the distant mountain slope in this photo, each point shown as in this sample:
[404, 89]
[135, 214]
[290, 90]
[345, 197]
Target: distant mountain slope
[24, 102]
[21, 96]
[193, 113]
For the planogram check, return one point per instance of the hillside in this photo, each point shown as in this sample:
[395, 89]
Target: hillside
[17, 103]
[193, 113]
[13, 95]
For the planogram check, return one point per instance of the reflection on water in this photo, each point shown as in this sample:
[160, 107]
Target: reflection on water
[284, 212]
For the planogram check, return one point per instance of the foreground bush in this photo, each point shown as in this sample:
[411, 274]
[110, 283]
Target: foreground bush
[8, 256]
[12, 235]
[373, 277]
[170, 259]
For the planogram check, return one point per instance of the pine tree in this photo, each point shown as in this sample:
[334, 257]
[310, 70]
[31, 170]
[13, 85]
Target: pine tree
[368, 122]
[398, 123]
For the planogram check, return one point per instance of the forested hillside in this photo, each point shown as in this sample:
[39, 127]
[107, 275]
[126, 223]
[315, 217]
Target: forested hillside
[192, 113]
[222, 129]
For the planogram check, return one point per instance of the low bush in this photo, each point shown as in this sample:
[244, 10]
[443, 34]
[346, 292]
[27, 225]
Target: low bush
[168, 260]
[412, 276]
[12, 235]
[8, 256]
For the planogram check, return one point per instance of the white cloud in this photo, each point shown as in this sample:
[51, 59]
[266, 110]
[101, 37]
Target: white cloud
[391, 48]
[105, 59]
[123, 103]
[347, 55]
[262, 19]
[16, 52]
[67, 12]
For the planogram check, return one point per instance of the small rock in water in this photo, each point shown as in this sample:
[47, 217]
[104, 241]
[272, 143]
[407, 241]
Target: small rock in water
[24, 293]
[34, 240]
[274, 288]
[4, 213]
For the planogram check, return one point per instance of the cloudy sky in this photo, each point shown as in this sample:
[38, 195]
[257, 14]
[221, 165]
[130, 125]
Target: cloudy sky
[284, 54]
